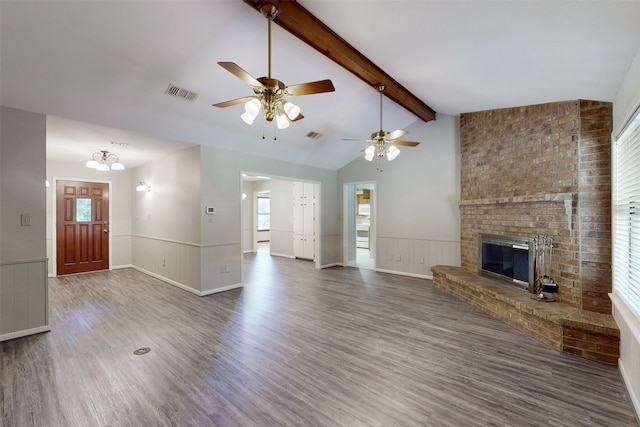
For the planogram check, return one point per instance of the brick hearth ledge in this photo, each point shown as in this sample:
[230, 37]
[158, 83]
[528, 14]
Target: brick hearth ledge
[563, 327]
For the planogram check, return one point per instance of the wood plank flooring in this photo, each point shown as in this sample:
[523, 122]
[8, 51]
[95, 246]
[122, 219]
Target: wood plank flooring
[294, 347]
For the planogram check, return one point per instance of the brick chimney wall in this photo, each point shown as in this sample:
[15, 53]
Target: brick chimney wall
[519, 166]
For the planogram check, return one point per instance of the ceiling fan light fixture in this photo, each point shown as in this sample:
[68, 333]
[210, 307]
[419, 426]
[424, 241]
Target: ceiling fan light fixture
[369, 153]
[102, 167]
[392, 152]
[281, 121]
[291, 109]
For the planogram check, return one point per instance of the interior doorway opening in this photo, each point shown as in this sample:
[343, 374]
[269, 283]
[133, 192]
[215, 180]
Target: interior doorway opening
[359, 225]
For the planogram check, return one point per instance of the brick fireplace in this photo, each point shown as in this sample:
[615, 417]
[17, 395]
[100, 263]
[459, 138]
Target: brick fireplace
[543, 170]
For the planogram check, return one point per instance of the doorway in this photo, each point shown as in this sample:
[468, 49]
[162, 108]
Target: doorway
[359, 225]
[82, 226]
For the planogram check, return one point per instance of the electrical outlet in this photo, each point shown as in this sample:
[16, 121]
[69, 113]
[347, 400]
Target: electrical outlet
[399, 258]
[227, 269]
[421, 260]
[164, 262]
[25, 219]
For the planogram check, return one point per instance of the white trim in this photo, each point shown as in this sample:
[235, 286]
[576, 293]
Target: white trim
[403, 273]
[25, 332]
[333, 264]
[179, 242]
[24, 261]
[632, 321]
[222, 289]
[635, 399]
[186, 287]
[282, 255]
[119, 267]
[167, 280]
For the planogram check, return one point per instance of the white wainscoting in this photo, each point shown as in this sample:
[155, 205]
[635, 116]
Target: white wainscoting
[221, 268]
[415, 257]
[179, 262]
[24, 299]
[629, 361]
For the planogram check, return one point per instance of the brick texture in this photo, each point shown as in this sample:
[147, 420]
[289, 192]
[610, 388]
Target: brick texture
[517, 166]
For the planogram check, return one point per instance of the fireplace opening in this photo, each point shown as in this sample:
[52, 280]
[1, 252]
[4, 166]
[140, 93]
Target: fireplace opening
[507, 258]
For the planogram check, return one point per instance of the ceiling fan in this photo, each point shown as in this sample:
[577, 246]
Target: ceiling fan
[270, 93]
[384, 142]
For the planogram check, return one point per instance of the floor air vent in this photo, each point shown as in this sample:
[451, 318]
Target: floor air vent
[179, 92]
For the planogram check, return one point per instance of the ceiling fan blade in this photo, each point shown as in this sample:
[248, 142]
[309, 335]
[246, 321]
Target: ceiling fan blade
[240, 73]
[310, 88]
[395, 134]
[234, 101]
[298, 117]
[406, 143]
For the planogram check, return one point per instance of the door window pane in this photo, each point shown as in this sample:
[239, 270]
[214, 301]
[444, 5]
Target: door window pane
[83, 210]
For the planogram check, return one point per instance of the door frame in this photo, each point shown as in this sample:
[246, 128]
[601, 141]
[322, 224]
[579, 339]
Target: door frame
[54, 219]
[349, 222]
[317, 212]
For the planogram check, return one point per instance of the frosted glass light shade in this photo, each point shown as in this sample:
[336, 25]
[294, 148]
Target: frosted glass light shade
[252, 107]
[281, 121]
[369, 153]
[92, 164]
[103, 167]
[247, 118]
[291, 109]
[117, 166]
[392, 152]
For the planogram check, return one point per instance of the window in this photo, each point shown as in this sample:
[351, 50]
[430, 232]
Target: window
[83, 210]
[626, 220]
[264, 214]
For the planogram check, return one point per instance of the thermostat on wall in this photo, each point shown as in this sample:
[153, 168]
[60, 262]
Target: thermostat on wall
[210, 210]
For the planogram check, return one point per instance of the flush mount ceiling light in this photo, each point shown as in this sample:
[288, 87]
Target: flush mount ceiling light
[270, 93]
[103, 161]
[384, 143]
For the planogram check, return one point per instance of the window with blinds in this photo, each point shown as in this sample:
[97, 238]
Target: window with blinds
[626, 220]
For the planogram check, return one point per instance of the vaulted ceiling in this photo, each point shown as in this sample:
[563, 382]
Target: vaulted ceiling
[100, 68]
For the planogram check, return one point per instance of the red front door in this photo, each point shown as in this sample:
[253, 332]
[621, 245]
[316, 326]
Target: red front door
[82, 226]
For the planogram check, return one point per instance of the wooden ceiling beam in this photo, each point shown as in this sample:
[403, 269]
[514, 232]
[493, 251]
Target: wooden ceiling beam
[301, 23]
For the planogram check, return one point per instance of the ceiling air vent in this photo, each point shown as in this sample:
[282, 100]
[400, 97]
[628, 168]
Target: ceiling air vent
[314, 135]
[179, 92]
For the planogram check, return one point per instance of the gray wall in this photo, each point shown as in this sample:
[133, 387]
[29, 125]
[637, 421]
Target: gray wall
[23, 267]
[417, 194]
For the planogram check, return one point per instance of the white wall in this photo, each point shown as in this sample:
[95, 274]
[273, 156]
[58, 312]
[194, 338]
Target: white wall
[281, 235]
[625, 103]
[120, 202]
[23, 268]
[417, 218]
[166, 222]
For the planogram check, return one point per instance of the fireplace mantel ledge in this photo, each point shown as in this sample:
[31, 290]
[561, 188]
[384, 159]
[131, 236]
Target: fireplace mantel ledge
[531, 198]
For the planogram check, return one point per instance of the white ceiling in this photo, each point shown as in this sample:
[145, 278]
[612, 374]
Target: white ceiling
[108, 63]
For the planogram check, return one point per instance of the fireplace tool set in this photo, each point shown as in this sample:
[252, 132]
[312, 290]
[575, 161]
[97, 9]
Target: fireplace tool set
[543, 247]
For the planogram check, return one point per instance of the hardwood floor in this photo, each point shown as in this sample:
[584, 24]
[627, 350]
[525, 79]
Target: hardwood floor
[295, 347]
